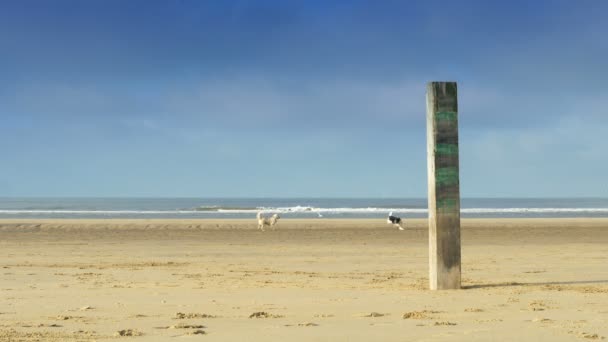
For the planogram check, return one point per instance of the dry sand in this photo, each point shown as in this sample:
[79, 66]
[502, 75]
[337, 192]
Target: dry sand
[321, 280]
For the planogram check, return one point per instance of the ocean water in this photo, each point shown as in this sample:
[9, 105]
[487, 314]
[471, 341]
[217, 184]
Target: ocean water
[292, 207]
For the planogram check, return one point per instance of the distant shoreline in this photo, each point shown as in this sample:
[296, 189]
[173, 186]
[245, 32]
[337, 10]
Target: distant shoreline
[290, 223]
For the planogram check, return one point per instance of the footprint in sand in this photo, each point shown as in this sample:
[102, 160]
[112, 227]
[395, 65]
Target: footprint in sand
[186, 326]
[307, 324]
[493, 320]
[424, 314]
[263, 314]
[183, 326]
[304, 324]
[592, 336]
[323, 315]
[538, 305]
[87, 333]
[589, 336]
[181, 315]
[128, 332]
[197, 332]
[373, 314]
[444, 323]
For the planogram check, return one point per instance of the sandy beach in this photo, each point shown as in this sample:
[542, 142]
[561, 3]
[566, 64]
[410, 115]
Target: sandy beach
[308, 280]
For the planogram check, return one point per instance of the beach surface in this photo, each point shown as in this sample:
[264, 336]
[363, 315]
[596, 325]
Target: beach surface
[307, 280]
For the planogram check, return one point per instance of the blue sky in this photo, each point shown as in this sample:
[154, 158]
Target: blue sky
[299, 98]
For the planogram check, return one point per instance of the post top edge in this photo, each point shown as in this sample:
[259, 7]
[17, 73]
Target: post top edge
[440, 82]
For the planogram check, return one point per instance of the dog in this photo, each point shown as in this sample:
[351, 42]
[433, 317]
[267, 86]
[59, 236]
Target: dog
[394, 220]
[267, 221]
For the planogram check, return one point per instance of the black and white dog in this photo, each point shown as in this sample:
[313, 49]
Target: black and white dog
[394, 220]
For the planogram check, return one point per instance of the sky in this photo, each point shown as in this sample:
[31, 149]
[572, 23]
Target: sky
[299, 98]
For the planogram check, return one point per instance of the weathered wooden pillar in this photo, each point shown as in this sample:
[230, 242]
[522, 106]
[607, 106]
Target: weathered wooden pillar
[444, 185]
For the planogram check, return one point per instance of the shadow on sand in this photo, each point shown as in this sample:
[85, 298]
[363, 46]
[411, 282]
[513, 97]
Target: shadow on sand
[509, 284]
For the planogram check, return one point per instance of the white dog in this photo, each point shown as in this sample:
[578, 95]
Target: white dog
[267, 221]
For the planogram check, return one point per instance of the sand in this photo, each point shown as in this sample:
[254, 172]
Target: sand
[308, 280]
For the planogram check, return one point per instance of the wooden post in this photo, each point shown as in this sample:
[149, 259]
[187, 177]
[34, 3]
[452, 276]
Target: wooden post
[444, 185]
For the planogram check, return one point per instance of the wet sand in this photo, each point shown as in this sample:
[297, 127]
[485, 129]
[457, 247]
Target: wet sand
[321, 280]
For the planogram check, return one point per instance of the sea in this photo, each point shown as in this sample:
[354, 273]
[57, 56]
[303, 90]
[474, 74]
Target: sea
[312, 208]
